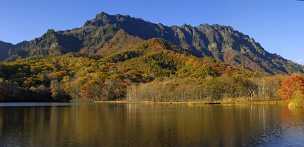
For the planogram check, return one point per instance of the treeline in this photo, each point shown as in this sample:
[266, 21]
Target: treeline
[11, 92]
[209, 89]
[148, 72]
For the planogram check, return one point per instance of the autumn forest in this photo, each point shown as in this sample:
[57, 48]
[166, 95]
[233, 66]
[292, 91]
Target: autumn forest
[151, 71]
[121, 58]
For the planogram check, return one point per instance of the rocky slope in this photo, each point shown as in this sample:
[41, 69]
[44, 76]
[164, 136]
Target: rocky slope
[4, 50]
[110, 33]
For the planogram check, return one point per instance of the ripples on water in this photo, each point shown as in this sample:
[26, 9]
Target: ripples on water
[140, 125]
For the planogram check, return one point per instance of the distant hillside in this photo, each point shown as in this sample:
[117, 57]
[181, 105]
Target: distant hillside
[73, 76]
[106, 34]
[4, 50]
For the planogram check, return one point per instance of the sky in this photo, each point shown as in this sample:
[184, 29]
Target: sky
[277, 24]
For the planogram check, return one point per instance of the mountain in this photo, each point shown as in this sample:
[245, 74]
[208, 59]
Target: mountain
[4, 50]
[106, 34]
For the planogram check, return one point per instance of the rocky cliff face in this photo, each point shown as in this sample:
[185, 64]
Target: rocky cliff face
[106, 33]
[4, 50]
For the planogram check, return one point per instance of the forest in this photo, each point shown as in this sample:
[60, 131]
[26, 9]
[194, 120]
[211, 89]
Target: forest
[152, 71]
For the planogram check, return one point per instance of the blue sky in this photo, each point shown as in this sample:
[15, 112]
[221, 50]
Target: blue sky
[277, 24]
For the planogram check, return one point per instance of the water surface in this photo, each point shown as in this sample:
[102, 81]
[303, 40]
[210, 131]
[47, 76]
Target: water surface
[143, 125]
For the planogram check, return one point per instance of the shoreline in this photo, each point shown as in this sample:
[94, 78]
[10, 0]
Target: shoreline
[223, 102]
[227, 101]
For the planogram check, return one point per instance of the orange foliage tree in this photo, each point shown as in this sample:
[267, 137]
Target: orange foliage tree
[291, 85]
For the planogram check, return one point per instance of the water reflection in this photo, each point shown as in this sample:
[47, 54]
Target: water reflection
[114, 125]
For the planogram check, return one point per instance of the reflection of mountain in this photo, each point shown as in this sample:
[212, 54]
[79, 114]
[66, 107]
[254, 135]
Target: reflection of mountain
[106, 33]
[139, 125]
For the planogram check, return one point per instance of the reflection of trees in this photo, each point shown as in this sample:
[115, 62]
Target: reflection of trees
[207, 126]
[137, 125]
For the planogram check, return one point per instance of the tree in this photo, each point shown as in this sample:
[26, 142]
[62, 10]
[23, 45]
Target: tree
[58, 93]
[291, 86]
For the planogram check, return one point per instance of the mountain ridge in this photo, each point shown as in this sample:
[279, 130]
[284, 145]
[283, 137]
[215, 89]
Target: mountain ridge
[4, 49]
[108, 33]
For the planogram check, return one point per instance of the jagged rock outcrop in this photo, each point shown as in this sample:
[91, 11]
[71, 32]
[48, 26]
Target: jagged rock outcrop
[106, 33]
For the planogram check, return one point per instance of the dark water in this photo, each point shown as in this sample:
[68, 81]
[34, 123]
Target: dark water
[122, 125]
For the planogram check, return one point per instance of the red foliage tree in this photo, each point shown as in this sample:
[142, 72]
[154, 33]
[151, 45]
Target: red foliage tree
[292, 84]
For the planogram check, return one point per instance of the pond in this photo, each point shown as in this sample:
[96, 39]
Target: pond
[148, 125]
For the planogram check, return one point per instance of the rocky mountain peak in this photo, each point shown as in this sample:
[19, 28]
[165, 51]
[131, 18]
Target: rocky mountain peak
[104, 32]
